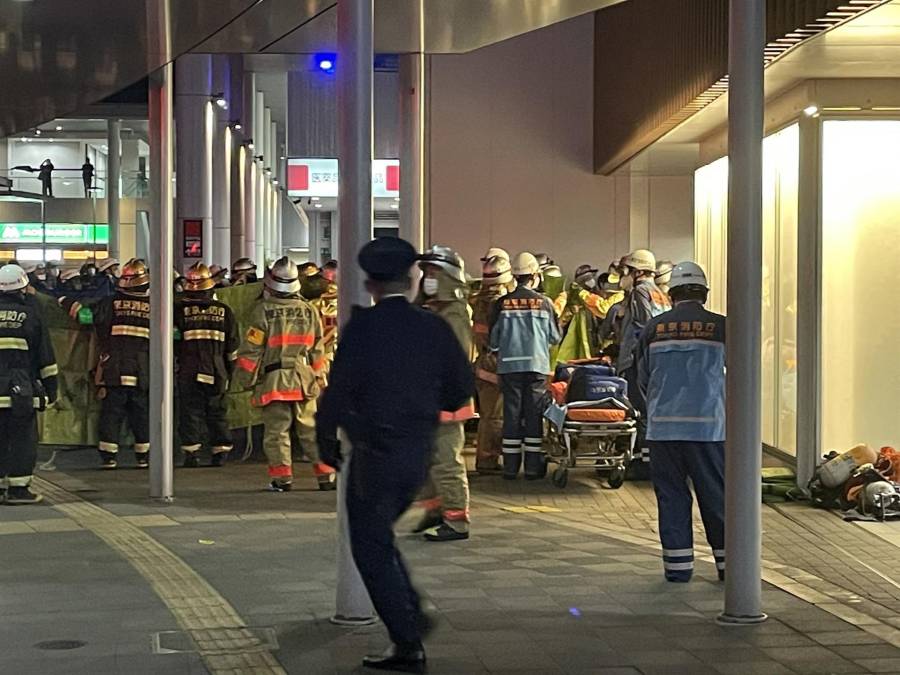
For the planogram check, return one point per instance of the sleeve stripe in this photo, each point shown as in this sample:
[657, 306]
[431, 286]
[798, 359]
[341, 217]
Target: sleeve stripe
[49, 371]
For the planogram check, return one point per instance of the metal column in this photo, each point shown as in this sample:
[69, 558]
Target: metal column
[113, 182]
[412, 149]
[355, 149]
[221, 163]
[162, 355]
[746, 103]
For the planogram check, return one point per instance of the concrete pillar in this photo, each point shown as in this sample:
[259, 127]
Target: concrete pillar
[113, 184]
[743, 462]
[130, 168]
[260, 141]
[221, 164]
[272, 163]
[249, 182]
[412, 149]
[194, 126]
[162, 306]
[355, 149]
[239, 118]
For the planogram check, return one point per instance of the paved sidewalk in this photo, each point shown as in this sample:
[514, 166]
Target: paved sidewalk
[232, 579]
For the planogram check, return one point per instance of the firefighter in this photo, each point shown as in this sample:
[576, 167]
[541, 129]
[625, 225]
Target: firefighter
[596, 293]
[495, 252]
[206, 347]
[122, 322]
[28, 381]
[243, 271]
[219, 276]
[681, 366]
[446, 493]
[107, 276]
[496, 281]
[282, 359]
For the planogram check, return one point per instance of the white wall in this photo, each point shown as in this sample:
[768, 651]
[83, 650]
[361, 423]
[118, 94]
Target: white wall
[511, 130]
[64, 155]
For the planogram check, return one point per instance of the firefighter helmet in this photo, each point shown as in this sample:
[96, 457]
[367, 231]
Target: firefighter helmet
[447, 259]
[495, 252]
[12, 278]
[496, 271]
[641, 259]
[199, 278]
[664, 272]
[107, 265]
[284, 277]
[243, 266]
[544, 260]
[688, 274]
[217, 271]
[134, 275]
[308, 269]
[525, 264]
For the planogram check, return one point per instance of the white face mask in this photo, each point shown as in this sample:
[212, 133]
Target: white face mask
[430, 287]
[590, 284]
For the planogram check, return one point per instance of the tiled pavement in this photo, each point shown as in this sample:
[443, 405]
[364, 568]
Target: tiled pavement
[550, 582]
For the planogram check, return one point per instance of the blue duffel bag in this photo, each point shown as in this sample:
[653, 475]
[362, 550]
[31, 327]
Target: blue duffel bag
[589, 384]
[564, 370]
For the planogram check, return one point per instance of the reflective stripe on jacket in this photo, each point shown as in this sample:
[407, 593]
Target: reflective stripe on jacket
[523, 329]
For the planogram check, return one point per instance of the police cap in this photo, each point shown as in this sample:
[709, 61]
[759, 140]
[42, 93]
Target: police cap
[387, 259]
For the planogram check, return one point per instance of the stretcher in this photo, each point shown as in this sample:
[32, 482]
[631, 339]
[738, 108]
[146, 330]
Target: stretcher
[598, 435]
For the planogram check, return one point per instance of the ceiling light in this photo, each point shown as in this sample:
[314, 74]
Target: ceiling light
[237, 126]
[326, 62]
[810, 110]
[250, 145]
[219, 100]
[315, 199]
[274, 181]
[37, 132]
[282, 158]
[58, 128]
[396, 199]
[318, 205]
[394, 206]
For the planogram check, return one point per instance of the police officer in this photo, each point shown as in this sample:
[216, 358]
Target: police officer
[28, 374]
[122, 323]
[243, 271]
[681, 363]
[282, 359]
[397, 367]
[206, 347]
[446, 494]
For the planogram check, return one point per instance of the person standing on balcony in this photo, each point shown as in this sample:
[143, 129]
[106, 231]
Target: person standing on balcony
[87, 176]
[45, 175]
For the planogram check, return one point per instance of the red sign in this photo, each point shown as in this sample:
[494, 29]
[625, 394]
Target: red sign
[298, 177]
[392, 177]
[193, 238]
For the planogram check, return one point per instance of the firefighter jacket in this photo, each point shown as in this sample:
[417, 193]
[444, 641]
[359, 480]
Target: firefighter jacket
[523, 327]
[458, 316]
[326, 305]
[28, 370]
[597, 305]
[681, 371]
[482, 306]
[122, 323]
[644, 302]
[281, 357]
[207, 341]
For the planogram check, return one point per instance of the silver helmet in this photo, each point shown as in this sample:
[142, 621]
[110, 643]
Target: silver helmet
[284, 277]
[447, 259]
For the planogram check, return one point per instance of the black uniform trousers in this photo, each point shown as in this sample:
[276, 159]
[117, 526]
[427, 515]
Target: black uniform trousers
[523, 421]
[132, 405]
[638, 469]
[202, 417]
[381, 486]
[18, 446]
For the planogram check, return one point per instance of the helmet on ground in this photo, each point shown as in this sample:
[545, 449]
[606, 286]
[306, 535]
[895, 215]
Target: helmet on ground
[496, 271]
[283, 277]
[107, 265]
[873, 494]
[495, 252]
[447, 259]
[688, 274]
[134, 275]
[243, 266]
[199, 278]
[524, 264]
[585, 272]
[544, 260]
[664, 272]
[641, 259]
[12, 278]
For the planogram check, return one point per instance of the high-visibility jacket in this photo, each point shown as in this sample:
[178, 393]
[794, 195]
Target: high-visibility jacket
[281, 356]
[122, 323]
[597, 304]
[26, 354]
[328, 312]
[207, 342]
[458, 315]
[482, 308]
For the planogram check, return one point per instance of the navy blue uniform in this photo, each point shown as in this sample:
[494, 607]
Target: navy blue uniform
[396, 368]
[681, 371]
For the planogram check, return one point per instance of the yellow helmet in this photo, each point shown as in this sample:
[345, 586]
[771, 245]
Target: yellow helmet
[199, 278]
[134, 275]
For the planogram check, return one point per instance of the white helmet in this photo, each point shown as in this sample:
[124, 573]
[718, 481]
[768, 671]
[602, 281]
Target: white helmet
[495, 252]
[284, 277]
[664, 272]
[525, 264]
[641, 259]
[12, 278]
[107, 264]
[688, 274]
[29, 268]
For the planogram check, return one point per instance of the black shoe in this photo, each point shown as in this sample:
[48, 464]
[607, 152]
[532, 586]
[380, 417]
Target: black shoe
[429, 520]
[328, 482]
[143, 459]
[218, 459]
[108, 460]
[191, 461]
[398, 660]
[445, 532]
[22, 495]
[277, 486]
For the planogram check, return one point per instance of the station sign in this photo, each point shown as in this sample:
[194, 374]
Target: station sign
[319, 178]
[56, 233]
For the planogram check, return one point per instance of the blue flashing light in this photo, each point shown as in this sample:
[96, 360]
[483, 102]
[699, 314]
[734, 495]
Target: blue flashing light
[326, 62]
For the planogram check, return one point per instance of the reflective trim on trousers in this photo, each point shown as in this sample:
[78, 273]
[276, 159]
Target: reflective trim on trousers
[49, 371]
[678, 567]
[221, 449]
[456, 515]
[104, 446]
[719, 555]
[19, 481]
[512, 447]
[191, 448]
[203, 378]
[142, 448]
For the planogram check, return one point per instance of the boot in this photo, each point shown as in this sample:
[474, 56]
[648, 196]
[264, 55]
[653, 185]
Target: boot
[191, 461]
[108, 460]
[218, 459]
[143, 459]
[279, 486]
[429, 520]
[535, 466]
[445, 532]
[17, 495]
[511, 464]
[401, 659]
[327, 482]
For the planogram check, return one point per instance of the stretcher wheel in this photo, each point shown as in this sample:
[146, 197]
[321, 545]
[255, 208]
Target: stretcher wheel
[616, 477]
[560, 477]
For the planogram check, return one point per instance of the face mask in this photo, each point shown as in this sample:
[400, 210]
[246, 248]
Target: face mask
[627, 283]
[41, 277]
[590, 284]
[430, 287]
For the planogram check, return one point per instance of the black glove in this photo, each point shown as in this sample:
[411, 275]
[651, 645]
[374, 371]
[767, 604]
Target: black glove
[330, 452]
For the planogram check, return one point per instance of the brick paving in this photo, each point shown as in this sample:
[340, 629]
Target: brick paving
[552, 581]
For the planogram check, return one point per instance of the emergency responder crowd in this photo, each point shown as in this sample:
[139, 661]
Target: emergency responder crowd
[401, 387]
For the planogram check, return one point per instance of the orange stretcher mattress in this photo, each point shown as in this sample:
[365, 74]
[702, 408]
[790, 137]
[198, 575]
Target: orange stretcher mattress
[558, 392]
[595, 415]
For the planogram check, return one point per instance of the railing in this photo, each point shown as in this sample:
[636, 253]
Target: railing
[67, 183]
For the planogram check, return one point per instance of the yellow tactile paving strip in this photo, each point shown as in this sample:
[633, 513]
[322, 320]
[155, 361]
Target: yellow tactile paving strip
[221, 636]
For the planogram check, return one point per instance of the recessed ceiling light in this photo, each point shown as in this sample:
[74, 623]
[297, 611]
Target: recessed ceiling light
[318, 205]
[58, 127]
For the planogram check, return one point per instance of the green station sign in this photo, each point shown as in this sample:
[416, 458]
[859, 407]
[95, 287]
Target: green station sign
[57, 233]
